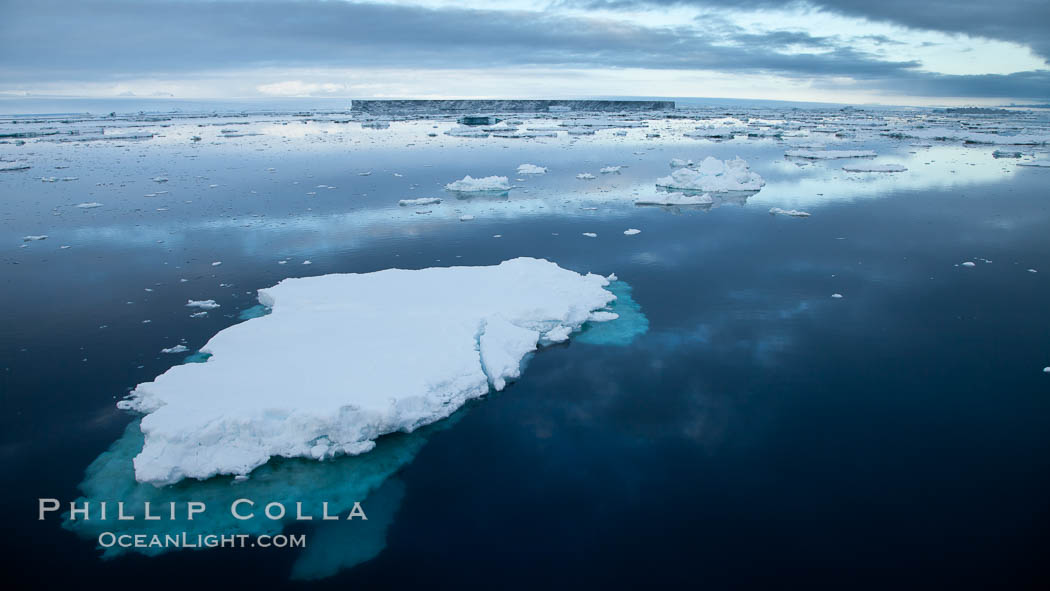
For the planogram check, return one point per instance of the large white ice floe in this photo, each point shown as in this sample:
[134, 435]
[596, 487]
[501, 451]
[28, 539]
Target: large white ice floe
[714, 175]
[469, 184]
[830, 154]
[342, 359]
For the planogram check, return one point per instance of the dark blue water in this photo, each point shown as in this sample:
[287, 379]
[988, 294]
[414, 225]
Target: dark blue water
[759, 434]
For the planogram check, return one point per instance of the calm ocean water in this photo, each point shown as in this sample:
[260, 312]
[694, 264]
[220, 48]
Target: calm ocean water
[759, 433]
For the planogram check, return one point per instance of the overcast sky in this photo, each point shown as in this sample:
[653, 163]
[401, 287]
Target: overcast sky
[888, 51]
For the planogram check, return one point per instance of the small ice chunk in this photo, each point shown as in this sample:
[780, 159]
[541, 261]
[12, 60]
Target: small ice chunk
[610, 169]
[175, 349]
[632, 231]
[837, 296]
[91, 205]
[1032, 271]
[680, 163]
[420, 201]
[489, 183]
[586, 176]
[160, 179]
[216, 263]
[590, 234]
[791, 212]
[531, 169]
[198, 315]
[1046, 369]
[1036, 163]
[466, 218]
[32, 238]
[969, 264]
[202, 304]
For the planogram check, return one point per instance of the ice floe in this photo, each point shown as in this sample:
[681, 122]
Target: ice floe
[790, 212]
[420, 201]
[175, 349]
[586, 176]
[34, 238]
[469, 184]
[91, 205]
[531, 169]
[632, 231]
[202, 304]
[715, 176]
[1037, 163]
[379, 352]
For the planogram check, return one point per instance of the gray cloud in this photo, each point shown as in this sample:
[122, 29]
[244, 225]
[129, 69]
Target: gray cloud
[1020, 21]
[113, 39]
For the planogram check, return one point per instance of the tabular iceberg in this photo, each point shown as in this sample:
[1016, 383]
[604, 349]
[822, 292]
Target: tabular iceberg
[714, 175]
[345, 358]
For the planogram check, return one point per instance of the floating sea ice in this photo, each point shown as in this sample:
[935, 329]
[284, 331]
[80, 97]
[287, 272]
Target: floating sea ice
[308, 262]
[1032, 271]
[969, 264]
[91, 205]
[680, 163]
[198, 315]
[202, 304]
[1046, 369]
[470, 184]
[791, 212]
[216, 263]
[13, 166]
[160, 179]
[531, 169]
[175, 349]
[420, 201]
[590, 234]
[1037, 163]
[715, 176]
[466, 218]
[675, 199]
[381, 358]
[632, 231]
[830, 154]
[34, 238]
[874, 168]
[1006, 154]
[610, 169]
[586, 176]
[837, 296]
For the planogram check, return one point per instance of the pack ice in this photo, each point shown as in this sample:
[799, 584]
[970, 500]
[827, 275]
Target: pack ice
[713, 175]
[345, 358]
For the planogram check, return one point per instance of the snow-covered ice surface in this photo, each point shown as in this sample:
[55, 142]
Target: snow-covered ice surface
[386, 351]
[715, 176]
